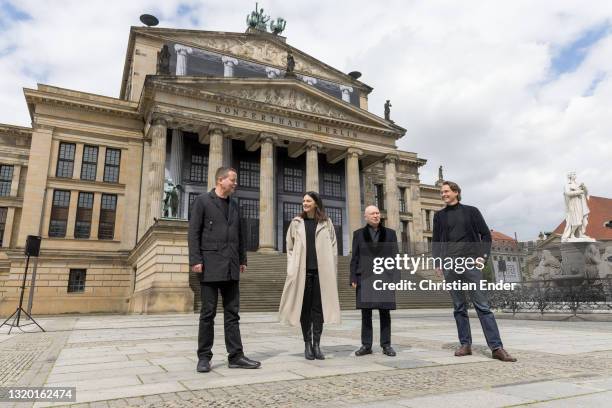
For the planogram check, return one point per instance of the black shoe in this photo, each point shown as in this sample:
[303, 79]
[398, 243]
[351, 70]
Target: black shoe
[363, 351]
[244, 362]
[308, 352]
[388, 350]
[203, 366]
[317, 351]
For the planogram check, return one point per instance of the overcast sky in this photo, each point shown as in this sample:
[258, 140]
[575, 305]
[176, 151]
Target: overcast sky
[507, 96]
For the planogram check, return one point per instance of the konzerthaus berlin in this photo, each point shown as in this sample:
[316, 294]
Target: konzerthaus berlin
[108, 182]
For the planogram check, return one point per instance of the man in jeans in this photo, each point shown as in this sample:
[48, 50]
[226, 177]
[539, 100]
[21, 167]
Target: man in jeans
[461, 232]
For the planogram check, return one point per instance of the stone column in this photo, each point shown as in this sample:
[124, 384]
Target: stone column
[72, 209]
[35, 186]
[228, 66]
[181, 58]
[215, 153]
[157, 169]
[391, 201]
[346, 93]
[266, 195]
[413, 201]
[15, 180]
[176, 163]
[312, 166]
[353, 190]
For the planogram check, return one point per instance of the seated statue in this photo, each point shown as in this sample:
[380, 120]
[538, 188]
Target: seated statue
[596, 266]
[548, 268]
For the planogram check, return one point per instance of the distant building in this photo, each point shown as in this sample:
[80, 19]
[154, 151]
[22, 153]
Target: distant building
[507, 257]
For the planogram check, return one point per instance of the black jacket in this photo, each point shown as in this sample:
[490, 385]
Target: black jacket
[215, 241]
[364, 250]
[475, 225]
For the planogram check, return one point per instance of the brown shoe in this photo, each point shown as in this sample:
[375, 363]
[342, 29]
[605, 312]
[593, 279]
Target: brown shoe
[464, 350]
[502, 355]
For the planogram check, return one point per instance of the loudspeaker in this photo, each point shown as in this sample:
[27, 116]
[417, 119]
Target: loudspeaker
[32, 245]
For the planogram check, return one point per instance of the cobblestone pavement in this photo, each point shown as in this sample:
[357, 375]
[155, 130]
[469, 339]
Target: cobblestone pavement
[149, 361]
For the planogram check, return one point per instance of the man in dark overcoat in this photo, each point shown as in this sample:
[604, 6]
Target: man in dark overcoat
[370, 242]
[217, 252]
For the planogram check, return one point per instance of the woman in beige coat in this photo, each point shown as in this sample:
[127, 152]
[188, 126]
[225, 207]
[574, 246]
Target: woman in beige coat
[310, 296]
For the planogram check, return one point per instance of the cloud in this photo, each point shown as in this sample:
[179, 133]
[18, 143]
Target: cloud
[508, 96]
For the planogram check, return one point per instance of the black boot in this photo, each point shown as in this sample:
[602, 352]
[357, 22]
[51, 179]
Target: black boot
[316, 340]
[308, 351]
[307, 332]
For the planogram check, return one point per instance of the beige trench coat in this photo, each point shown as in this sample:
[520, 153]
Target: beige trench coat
[327, 261]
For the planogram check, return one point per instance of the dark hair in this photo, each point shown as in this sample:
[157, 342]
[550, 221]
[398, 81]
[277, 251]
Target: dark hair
[223, 172]
[454, 187]
[319, 211]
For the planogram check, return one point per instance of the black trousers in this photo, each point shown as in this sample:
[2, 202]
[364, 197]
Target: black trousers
[311, 317]
[230, 295]
[366, 327]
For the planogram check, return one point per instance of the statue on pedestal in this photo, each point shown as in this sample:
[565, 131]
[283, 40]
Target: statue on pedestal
[290, 66]
[388, 110]
[258, 20]
[163, 61]
[576, 211]
[171, 199]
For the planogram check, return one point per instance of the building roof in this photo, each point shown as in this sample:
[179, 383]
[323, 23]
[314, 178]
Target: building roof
[498, 236]
[600, 213]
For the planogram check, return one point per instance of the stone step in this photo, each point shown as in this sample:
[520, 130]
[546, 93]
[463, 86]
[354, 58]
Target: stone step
[262, 286]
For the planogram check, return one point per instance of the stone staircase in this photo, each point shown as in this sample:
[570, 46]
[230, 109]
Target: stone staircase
[261, 287]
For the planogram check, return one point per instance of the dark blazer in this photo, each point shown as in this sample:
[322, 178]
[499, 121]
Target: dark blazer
[364, 250]
[475, 225]
[215, 241]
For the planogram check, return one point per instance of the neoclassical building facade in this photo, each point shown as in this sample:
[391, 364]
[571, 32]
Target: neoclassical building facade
[93, 176]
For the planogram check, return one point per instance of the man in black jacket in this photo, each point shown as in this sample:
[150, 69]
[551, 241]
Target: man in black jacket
[217, 252]
[370, 242]
[460, 231]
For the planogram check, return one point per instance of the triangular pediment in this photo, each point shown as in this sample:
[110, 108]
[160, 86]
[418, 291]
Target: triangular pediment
[284, 93]
[261, 48]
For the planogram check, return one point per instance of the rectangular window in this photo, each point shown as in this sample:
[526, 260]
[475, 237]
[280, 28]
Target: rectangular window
[291, 210]
[6, 179]
[3, 212]
[82, 227]
[248, 174]
[249, 208]
[198, 171]
[293, 180]
[402, 200]
[332, 185]
[111, 165]
[335, 215]
[379, 196]
[59, 213]
[90, 163]
[427, 220]
[106, 229]
[65, 160]
[76, 280]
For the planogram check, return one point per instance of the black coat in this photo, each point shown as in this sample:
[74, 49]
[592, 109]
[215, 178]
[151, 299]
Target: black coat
[215, 241]
[364, 250]
[475, 226]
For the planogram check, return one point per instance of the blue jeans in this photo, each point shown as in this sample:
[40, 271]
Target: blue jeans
[481, 304]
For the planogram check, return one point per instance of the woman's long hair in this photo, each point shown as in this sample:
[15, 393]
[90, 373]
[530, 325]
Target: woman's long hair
[319, 211]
